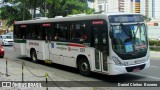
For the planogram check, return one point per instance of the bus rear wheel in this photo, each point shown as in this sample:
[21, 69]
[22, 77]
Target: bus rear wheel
[84, 67]
[34, 56]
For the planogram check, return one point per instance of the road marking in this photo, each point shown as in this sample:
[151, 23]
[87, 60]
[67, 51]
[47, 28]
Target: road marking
[154, 66]
[146, 76]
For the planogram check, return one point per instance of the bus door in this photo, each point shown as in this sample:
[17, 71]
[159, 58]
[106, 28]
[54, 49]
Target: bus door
[100, 42]
[46, 31]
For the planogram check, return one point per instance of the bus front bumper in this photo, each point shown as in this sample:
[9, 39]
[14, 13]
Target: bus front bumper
[116, 70]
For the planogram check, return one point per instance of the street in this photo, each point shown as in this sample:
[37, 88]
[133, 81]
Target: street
[151, 74]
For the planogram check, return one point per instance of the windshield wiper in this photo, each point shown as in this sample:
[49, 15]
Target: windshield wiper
[125, 29]
[138, 28]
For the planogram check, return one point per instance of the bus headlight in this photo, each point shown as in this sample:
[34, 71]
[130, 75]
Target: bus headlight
[117, 62]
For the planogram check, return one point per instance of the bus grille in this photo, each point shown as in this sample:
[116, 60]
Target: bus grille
[131, 69]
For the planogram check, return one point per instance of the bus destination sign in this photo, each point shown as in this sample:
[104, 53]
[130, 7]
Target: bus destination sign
[125, 18]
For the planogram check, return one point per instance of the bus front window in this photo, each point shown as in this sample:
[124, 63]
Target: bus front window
[130, 39]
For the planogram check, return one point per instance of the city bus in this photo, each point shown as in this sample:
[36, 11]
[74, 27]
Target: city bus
[110, 44]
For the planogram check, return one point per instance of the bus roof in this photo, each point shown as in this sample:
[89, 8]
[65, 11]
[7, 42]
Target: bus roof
[72, 18]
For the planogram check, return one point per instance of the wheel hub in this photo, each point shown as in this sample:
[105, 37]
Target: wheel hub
[84, 67]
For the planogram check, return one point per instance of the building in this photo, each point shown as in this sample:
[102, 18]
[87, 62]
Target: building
[155, 9]
[124, 5]
[150, 8]
[106, 6]
[144, 7]
[135, 6]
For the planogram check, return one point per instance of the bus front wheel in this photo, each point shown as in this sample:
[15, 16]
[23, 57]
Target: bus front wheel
[34, 56]
[84, 67]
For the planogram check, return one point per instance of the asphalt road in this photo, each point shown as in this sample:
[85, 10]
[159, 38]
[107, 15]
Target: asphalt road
[151, 74]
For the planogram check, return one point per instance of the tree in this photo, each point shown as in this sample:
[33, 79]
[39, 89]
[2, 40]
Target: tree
[67, 7]
[27, 4]
[12, 13]
[19, 9]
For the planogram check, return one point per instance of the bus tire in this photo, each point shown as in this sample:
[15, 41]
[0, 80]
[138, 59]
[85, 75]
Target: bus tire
[84, 67]
[1, 56]
[34, 56]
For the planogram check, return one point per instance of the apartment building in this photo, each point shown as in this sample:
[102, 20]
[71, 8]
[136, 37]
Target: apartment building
[144, 7]
[109, 6]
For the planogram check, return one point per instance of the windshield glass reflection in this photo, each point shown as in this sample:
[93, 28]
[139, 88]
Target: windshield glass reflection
[129, 38]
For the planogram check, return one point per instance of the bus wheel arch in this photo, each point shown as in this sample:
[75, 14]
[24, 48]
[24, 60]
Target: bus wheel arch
[33, 55]
[83, 65]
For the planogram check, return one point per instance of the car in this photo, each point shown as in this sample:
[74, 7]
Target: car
[6, 40]
[1, 51]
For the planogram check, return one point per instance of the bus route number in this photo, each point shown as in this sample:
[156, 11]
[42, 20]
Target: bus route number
[82, 49]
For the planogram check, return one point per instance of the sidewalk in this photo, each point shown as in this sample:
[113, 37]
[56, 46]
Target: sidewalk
[155, 55]
[34, 74]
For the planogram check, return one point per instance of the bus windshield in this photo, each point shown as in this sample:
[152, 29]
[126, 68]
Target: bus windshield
[129, 38]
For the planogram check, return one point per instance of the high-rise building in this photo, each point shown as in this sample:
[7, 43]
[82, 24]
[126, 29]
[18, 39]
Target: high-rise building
[124, 5]
[112, 5]
[149, 8]
[144, 7]
[106, 6]
[135, 6]
[155, 8]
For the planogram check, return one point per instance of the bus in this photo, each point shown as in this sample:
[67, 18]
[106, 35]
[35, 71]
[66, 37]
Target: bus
[110, 44]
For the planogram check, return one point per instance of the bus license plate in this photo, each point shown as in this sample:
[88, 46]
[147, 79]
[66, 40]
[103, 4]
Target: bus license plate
[136, 70]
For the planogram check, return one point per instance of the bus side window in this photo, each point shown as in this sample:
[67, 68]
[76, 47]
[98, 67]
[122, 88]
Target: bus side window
[83, 37]
[63, 32]
[77, 32]
[56, 36]
[43, 34]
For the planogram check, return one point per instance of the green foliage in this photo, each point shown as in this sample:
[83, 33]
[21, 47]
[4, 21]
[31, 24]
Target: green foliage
[12, 13]
[19, 9]
[154, 43]
[155, 48]
[68, 7]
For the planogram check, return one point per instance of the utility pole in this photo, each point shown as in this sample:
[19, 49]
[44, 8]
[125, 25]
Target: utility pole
[24, 11]
[45, 10]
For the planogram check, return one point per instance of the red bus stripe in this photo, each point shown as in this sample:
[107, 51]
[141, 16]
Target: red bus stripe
[76, 45]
